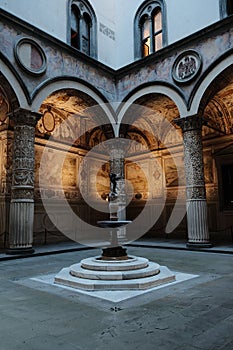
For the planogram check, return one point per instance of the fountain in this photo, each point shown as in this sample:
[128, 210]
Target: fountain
[114, 270]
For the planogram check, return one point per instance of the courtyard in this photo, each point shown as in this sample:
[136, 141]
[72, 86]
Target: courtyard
[193, 314]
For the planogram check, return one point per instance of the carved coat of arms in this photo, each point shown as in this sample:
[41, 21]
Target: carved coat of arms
[186, 66]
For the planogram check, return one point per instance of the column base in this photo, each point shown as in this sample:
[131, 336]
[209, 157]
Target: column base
[20, 251]
[199, 245]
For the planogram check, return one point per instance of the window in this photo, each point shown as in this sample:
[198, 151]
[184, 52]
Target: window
[150, 30]
[82, 23]
[229, 7]
[74, 28]
[86, 34]
[226, 8]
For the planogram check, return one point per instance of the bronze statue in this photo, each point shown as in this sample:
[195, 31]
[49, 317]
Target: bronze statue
[113, 185]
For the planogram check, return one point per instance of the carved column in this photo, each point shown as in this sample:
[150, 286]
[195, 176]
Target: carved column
[22, 193]
[198, 233]
[117, 167]
[117, 206]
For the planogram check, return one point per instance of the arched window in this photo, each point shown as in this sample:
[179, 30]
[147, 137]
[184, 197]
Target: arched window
[86, 33]
[150, 28]
[74, 27]
[82, 23]
[229, 7]
[226, 8]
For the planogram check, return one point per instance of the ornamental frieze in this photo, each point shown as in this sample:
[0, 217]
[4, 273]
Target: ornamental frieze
[195, 192]
[24, 163]
[24, 152]
[23, 177]
[23, 194]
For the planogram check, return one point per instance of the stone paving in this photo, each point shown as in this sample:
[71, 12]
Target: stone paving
[194, 314]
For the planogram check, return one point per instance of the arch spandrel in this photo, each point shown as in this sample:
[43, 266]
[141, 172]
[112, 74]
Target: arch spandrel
[14, 87]
[208, 85]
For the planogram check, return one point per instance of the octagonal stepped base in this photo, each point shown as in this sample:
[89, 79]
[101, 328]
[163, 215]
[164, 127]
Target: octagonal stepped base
[136, 273]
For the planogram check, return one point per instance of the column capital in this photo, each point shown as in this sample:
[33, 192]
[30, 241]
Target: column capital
[192, 122]
[21, 116]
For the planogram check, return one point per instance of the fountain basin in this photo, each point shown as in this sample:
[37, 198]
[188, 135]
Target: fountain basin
[113, 223]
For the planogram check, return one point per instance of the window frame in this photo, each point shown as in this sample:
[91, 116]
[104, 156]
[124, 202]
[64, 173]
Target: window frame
[224, 8]
[148, 10]
[86, 11]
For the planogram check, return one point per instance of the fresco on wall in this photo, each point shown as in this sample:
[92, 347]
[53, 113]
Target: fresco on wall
[102, 181]
[69, 172]
[208, 167]
[171, 174]
[138, 177]
[4, 109]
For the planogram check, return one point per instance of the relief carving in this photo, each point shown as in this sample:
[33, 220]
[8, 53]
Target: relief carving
[186, 66]
[23, 156]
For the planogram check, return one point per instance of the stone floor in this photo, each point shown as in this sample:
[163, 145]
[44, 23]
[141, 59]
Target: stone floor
[194, 314]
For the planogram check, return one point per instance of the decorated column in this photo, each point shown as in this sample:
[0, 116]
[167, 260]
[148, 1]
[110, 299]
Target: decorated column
[117, 194]
[22, 193]
[198, 234]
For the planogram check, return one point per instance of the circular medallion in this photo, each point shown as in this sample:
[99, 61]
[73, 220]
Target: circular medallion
[48, 121]
[186, 66]
[30, 56]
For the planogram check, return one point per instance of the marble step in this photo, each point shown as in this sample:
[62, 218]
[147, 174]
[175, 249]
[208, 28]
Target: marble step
[133, 263]
[66, 279]
[78, 271]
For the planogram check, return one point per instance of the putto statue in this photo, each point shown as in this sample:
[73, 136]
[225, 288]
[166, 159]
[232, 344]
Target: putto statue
[114, 192]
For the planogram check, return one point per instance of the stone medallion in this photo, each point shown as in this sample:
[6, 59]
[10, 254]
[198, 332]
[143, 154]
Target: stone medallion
[30, 56]
[186, 66]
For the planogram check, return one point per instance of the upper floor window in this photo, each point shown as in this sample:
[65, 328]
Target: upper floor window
[226, 8]
[229, 7]
[150, 28]
[82, 34]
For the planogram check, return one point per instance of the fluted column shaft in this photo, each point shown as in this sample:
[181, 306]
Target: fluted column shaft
[198, 233]
[22, 193]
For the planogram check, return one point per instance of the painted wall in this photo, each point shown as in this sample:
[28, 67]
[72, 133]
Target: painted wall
[115, 22]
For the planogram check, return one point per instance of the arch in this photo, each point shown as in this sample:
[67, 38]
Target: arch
[206, 82]
[49, 87]
[15, 87]
[152, 89]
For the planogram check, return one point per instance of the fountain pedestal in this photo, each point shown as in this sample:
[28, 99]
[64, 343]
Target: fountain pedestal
[114, 270]
[115, 251]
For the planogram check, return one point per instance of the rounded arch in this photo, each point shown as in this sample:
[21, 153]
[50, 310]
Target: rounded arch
[148, 90]
[60, 84]
[206, 82]
[14, 86]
